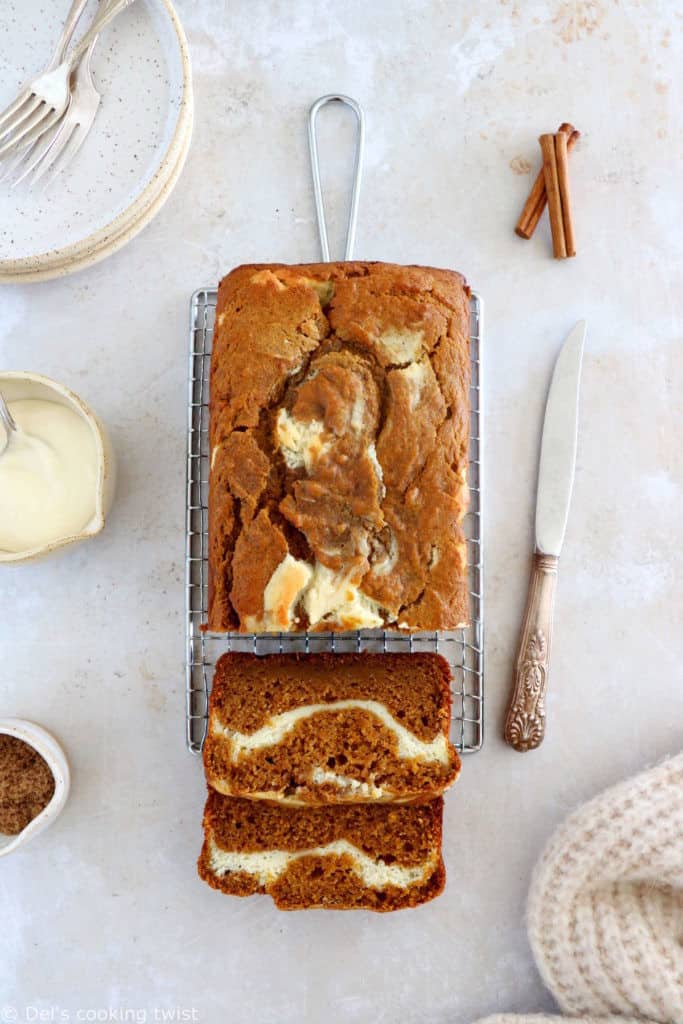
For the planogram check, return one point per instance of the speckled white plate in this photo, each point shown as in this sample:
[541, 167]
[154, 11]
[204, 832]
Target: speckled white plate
[133, 155]
[120, 234]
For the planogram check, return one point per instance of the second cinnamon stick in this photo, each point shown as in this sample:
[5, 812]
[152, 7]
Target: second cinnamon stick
[552, 189]
[563, 182]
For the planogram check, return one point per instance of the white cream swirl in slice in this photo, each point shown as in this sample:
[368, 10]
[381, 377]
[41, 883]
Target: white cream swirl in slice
[410, 746]
[268, 865]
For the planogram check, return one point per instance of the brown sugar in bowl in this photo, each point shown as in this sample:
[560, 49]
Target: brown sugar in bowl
[54, 757]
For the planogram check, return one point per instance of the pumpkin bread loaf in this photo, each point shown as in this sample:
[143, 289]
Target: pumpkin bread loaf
[339, 428]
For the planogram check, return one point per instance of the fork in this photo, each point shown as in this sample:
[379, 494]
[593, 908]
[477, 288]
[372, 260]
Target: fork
[46, 99]
[72, 19]
[57, 150]
[24, 150]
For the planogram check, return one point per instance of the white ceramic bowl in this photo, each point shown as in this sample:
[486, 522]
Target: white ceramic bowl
[16, 385]
[48, 748]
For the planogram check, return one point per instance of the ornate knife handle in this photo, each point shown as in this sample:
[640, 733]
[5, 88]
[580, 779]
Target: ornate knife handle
[525, 723]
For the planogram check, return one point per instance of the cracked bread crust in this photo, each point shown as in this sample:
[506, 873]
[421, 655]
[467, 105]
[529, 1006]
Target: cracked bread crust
[376, 857]
[331, 728]
[339, 422]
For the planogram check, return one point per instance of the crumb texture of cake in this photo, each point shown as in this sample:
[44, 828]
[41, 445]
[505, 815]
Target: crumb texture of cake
[339, 431]
[331, 728]
[371, 856]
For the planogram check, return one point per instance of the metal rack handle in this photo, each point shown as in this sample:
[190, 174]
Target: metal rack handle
[357, 170]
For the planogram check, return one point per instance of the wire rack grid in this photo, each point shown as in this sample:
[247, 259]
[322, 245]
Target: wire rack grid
[463, 648]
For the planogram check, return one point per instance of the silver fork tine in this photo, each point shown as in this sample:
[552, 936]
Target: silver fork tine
[9, 165]
[29, 140]
[39, 150]
[42, 119]
[10, 168]
[62, 157]
[27, 108]
[12, 163]
[13, 107]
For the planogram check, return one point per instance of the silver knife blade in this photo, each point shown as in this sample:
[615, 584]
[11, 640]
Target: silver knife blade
[558, 445]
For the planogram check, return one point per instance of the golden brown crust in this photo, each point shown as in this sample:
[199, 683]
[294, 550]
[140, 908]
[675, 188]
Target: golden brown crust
[335, 756]
[402, 835]
[370, 354]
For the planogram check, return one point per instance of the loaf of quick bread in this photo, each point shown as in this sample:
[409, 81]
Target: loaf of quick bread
[339, 427]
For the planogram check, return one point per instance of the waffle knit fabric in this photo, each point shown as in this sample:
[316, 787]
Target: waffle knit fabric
[605, 912]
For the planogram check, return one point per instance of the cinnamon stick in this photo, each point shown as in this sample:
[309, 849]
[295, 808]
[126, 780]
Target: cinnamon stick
[536, 200]
[552, 190]
[563, 182]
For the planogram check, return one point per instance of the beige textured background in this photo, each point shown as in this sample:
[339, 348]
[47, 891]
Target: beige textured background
[105, 910]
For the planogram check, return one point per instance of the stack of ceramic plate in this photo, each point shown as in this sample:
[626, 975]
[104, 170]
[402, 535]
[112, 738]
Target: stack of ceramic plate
[133, 156]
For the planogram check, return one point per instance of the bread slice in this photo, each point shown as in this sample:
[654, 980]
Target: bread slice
[331, 728]
[374, 856]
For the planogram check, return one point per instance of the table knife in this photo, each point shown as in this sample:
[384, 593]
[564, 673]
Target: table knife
[525, 723]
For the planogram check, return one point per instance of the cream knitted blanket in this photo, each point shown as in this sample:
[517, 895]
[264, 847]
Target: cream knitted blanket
[605, 912]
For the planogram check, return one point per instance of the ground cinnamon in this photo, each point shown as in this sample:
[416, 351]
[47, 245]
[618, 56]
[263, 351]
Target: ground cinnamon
[26, 784]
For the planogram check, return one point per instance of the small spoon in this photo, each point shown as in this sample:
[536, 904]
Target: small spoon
[8, 423]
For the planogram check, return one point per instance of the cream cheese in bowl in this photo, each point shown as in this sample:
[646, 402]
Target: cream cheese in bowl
[56, 472]
[48, 475]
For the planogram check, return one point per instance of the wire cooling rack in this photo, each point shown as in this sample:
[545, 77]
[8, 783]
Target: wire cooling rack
[463, 648]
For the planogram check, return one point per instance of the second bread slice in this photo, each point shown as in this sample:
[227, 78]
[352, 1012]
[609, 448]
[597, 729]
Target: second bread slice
[372, 857]
[331, 728]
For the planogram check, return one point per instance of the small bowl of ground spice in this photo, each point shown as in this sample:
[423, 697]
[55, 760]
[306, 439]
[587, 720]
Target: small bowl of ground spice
[34, 781]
